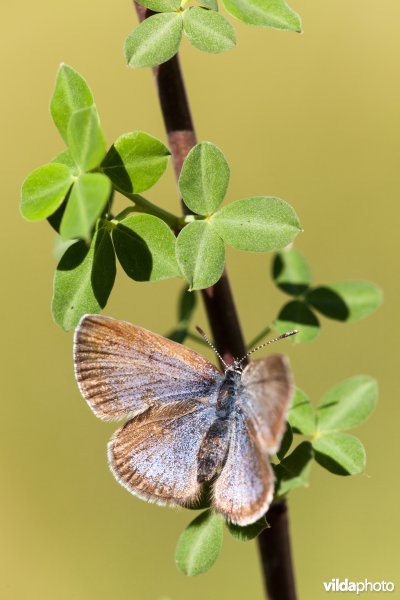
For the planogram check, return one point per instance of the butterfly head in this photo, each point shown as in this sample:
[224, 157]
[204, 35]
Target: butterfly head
[235, 368]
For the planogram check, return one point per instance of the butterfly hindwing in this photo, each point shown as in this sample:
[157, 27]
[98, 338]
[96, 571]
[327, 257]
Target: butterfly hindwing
[268, 389]
[244, 489]
[155, 454]
[122, 369]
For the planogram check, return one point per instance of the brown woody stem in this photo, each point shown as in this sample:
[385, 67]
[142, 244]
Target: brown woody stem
[274, 543]
[275, 554]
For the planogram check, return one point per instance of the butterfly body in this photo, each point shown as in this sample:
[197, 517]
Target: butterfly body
[188, 423]
[229, 392]
[215, 444]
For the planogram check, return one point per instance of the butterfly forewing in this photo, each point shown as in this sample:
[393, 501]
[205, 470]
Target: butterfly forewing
[154, 455]
[266, 398]
[122, 370]
[244, 489]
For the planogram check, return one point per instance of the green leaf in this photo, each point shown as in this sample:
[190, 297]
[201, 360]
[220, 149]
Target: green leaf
[258, 224]
[301, 415]
[136, 161]
[65, 158]
[267, 13]
[44, 190]
[86, 139]
[347, 404]
[145, 247]
[285, 443]
[293, 471]
[347, 301]
[249, 532]
[200, 543]
[55, 219]
[155, 41]
[161, 5]
[60, 246]
[204, 178]
[207, 30]
[187, 304]
[297, 315]
[340, 453]
[291, 272]
[201, 254]
[211, 4]
[83, 280]
[70, 94]
[86, 203]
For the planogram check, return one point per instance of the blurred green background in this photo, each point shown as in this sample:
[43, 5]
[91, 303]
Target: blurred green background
[311, 118]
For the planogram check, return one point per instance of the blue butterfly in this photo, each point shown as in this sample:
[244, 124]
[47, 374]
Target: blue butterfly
[189, 424]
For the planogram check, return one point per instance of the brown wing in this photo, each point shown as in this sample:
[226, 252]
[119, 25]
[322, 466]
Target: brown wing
[123, 370]
[245, 487]
[267, 392]
[155, 454]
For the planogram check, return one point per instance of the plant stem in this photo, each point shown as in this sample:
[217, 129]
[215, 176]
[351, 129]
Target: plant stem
[275, 554]
[263, 333]
[145, 206]
[218, 299]
[223, 318]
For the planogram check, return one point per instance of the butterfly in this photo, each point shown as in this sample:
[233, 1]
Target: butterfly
[188, 423]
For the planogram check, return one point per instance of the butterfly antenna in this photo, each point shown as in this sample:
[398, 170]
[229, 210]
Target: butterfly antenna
[203, 335]
[280, 337]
